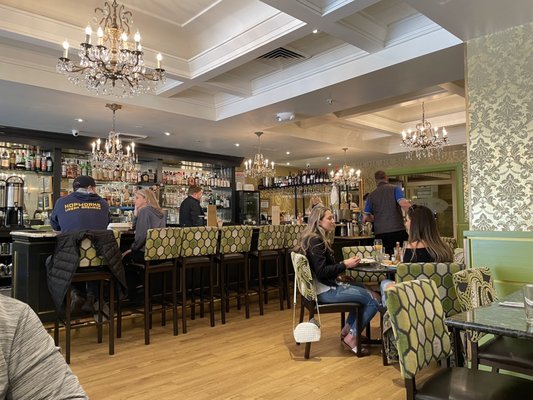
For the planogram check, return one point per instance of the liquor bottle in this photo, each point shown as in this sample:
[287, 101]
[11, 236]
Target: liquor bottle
[12, 159]
[43, 162]
[36, 164]
[63, 168]
[398, 252]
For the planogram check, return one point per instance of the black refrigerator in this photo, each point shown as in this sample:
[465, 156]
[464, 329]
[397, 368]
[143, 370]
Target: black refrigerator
[248, 207]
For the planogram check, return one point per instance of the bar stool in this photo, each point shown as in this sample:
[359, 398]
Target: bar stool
[292, 236]
[198, 249]
[160, 256]
[234, 247]
[269, 248]
[92, 268]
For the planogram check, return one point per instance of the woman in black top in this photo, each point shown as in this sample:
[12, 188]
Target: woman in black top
[316, 246]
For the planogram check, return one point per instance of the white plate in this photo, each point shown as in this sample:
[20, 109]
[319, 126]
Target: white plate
[367, 261]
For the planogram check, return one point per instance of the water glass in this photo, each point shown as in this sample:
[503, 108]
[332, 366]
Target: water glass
[378, 248]
[528, 302]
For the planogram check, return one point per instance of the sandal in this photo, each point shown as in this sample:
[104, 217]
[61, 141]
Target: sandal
[364, 351]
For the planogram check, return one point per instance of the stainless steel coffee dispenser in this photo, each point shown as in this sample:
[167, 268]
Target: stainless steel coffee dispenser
[14, 201]
[3, 201]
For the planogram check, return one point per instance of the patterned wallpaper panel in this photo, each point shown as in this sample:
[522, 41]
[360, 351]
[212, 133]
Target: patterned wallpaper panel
[500, 111]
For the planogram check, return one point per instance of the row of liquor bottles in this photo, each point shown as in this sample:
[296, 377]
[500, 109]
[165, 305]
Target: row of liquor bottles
[29, 158]
[221, 178]
[303, 177]
[173, 198]
[72, 168]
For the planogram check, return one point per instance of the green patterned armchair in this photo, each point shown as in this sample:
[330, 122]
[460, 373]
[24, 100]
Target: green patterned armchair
[417, 318]
[475, 288]
[292, 236]
[235, 239]
[362, 252]
[450, 241]
[271, 237]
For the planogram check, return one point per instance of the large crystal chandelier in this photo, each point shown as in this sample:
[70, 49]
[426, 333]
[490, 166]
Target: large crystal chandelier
[259, 167]
[111, 155]
[346, 175]
[425, 139]
[113, 65]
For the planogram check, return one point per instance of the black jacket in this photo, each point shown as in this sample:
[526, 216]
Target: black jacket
[66, 260]
[322, 262]
[190, 212]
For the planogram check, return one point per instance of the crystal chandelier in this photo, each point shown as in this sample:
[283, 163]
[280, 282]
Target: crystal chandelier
[113, 65]
[346, 175]
[425, 139]
[259, 167]
[112, 156]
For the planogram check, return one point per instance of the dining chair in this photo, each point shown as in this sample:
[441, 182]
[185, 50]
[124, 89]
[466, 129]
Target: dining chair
[450, 241]
[368, 278]
[308, 297]
[292, 236]
[475, 288]
[198, 249]
[233, 250]
[417, 317]
[160, 257]
[270, 244]
[441, 274]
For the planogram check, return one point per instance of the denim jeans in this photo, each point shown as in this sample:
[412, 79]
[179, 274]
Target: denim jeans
[352, 294]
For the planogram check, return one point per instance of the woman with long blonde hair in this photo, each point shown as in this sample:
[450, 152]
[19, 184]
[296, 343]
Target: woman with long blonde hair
[314, 243]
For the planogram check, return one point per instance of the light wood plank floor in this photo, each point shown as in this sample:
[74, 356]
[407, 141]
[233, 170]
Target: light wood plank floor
[243, 359]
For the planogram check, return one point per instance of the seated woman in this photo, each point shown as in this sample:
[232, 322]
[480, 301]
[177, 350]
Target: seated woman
[147, 215]
[424, 244]
[315, 245]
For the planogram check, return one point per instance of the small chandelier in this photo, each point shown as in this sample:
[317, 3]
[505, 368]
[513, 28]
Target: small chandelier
[346, 175]
[113, 65]
[111, 156]
[425, 139]
[260, 167]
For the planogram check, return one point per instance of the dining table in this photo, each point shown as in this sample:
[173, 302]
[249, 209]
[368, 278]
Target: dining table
[505, 317]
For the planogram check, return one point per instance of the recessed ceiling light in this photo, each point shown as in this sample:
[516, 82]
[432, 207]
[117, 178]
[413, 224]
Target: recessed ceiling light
[78, 119]
[315, 30]
[327, 158]
[288, 152]
[167, 133]
[288, 163]
[237, 144]
[329, 164]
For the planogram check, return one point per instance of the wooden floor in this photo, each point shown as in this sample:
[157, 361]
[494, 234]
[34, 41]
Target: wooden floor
[243, 359]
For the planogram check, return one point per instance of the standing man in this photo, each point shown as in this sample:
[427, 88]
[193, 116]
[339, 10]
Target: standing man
[384, 208]
[191, 213]
[82, 209]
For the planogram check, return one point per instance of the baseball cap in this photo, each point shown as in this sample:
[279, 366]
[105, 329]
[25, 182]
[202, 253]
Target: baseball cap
[83, 181]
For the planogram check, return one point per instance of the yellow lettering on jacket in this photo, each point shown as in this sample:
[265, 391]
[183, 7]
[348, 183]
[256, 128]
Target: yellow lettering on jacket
[82, 206]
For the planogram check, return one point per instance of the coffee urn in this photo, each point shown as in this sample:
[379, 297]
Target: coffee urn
[14, 201]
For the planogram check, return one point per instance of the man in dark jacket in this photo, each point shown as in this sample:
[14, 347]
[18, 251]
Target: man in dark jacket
[191, 213]
[82, 209]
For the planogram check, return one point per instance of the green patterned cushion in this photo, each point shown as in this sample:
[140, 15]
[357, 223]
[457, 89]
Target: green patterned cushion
[417, 319]
[475, 288]
[198, 241]
[271, 237]
[162, 244]
[235, 239]
[441, 274]
[459, 255]
[302, 272]
[292, 235]
[88, 257]
[362, 252]
[451, 241]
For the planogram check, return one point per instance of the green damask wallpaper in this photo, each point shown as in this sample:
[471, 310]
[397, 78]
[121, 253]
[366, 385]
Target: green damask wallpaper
[500, 112]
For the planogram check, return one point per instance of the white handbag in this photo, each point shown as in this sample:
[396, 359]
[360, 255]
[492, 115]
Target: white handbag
[305, 332]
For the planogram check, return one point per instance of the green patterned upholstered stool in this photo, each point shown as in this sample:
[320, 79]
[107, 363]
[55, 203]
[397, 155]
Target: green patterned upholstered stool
[234, 248]
[417, 317]
[198, 249]
[292, 235]
[475, 288]
[270, 244]
[160, 257]
[308, 297]
[92, 268]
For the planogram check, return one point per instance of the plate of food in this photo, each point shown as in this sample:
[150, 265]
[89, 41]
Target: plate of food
[389, 263]
[366, 261]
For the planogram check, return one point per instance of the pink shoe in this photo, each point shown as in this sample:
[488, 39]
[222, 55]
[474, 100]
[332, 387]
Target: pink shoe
[345, 331]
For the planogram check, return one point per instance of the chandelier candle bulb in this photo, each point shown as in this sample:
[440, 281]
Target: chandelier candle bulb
[137, 38]
[100, 35]
[88, 33]
[159, 57]
[98, 142]
[132, 148]
[65, 49]
[93, 144]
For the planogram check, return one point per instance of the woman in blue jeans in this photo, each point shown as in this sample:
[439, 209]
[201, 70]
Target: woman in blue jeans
[314, 243]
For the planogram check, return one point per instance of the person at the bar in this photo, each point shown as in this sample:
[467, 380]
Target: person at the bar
[191, 213]
[316, 246]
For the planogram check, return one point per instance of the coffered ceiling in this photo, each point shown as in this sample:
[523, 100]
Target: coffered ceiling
[234, 65]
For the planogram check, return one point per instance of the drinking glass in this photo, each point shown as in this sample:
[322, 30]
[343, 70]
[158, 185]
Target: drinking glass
[378, 247]
[528, 302]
